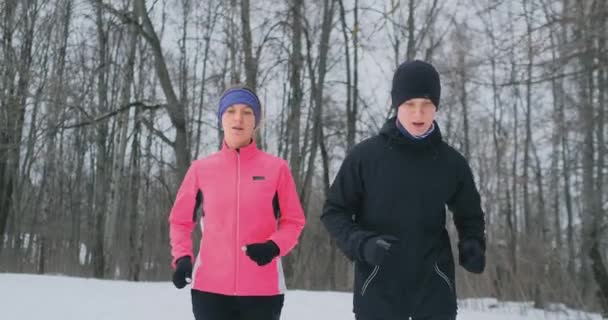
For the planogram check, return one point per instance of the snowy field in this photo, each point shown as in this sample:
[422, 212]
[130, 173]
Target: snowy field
[29, 297]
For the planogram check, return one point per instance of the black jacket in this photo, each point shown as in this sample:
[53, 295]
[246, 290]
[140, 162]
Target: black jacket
[393, 185]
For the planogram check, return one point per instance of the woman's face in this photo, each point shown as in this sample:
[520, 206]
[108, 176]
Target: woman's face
[238, 122]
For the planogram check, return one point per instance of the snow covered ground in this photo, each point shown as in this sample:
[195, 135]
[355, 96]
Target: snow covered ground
[25, 297]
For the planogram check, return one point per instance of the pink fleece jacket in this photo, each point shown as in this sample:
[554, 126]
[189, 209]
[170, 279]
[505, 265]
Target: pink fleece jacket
[240, 192]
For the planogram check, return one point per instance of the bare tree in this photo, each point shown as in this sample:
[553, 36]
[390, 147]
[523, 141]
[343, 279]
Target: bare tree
[101, 135]
[317, 94]
[209, 28]
[598, 12]
[175, 109]
[295, 101]
[352, 94]
[11, 119]
[251, 65]
[528, 119]
[462, 80]
[415, 31]
[120, 147]
[48, 200]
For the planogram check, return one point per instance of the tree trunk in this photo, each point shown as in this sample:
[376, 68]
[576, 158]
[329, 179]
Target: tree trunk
[411, 31]
[233, 44]
[396, 40]
[211, 19]
[598, 226]
[350, 120]
[101, 267]
[586, 119]
[528, 124]
[251, 62]
[120, 147]
[543, 227]
[135, 225]
[513, 225]
[355, 90]
[183, 62]
[295, 100]
[29, 160]
[10, 128]
[554, 189]
[566, 174]
[251, 66]
[48, 184]
[464, 101]
[11, 139]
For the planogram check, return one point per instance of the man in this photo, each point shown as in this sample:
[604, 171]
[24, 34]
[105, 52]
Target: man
[386, 209]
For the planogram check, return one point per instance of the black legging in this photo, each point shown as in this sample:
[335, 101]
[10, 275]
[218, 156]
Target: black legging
[212, 306]
[434, 317]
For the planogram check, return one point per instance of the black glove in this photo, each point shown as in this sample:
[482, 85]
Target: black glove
[183, 272]
[376, 249]
[471, 255]
[262, 253]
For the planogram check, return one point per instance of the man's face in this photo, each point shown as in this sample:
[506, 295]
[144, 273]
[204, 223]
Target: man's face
[417, 115]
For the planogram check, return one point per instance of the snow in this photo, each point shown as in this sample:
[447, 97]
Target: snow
[24, 296]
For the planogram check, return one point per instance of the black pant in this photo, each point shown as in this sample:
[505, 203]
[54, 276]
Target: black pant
[212, 306]
[435, 317]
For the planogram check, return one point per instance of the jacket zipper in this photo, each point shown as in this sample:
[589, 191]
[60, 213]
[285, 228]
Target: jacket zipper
[444, 277]
[369, 279]
[238, 195]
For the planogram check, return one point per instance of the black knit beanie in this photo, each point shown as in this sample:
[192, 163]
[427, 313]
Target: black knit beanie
[415, 79]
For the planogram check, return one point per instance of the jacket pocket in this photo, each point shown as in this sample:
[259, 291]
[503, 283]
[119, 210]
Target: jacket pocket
[369, 279]
[445, 278]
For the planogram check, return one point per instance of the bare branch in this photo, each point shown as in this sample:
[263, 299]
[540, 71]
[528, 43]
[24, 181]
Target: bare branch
[157, 132]
[108, 114]
[126, 17]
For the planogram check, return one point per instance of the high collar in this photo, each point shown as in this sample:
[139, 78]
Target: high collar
[392, 133]
[246, 152]
[407, 134]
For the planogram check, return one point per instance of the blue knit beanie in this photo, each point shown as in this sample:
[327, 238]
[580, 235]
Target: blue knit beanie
[240, 95]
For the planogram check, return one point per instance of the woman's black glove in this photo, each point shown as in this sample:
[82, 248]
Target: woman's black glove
[183, 272]
[262, 253]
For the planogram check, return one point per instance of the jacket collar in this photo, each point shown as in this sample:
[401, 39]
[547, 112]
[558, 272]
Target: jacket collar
[246, 152]
[393, 135]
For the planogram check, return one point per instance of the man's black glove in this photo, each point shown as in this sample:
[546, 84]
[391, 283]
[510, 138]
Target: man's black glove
[262, 253]
[471, 255]
[183, 272]
[376, 249]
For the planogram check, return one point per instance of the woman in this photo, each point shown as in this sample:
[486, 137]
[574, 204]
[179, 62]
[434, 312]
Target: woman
[251, 217]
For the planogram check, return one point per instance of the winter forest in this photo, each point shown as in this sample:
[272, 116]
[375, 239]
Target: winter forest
[105, 103]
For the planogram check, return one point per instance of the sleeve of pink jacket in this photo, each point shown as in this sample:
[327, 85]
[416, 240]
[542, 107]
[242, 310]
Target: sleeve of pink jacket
[181, 219]
[292, 217]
